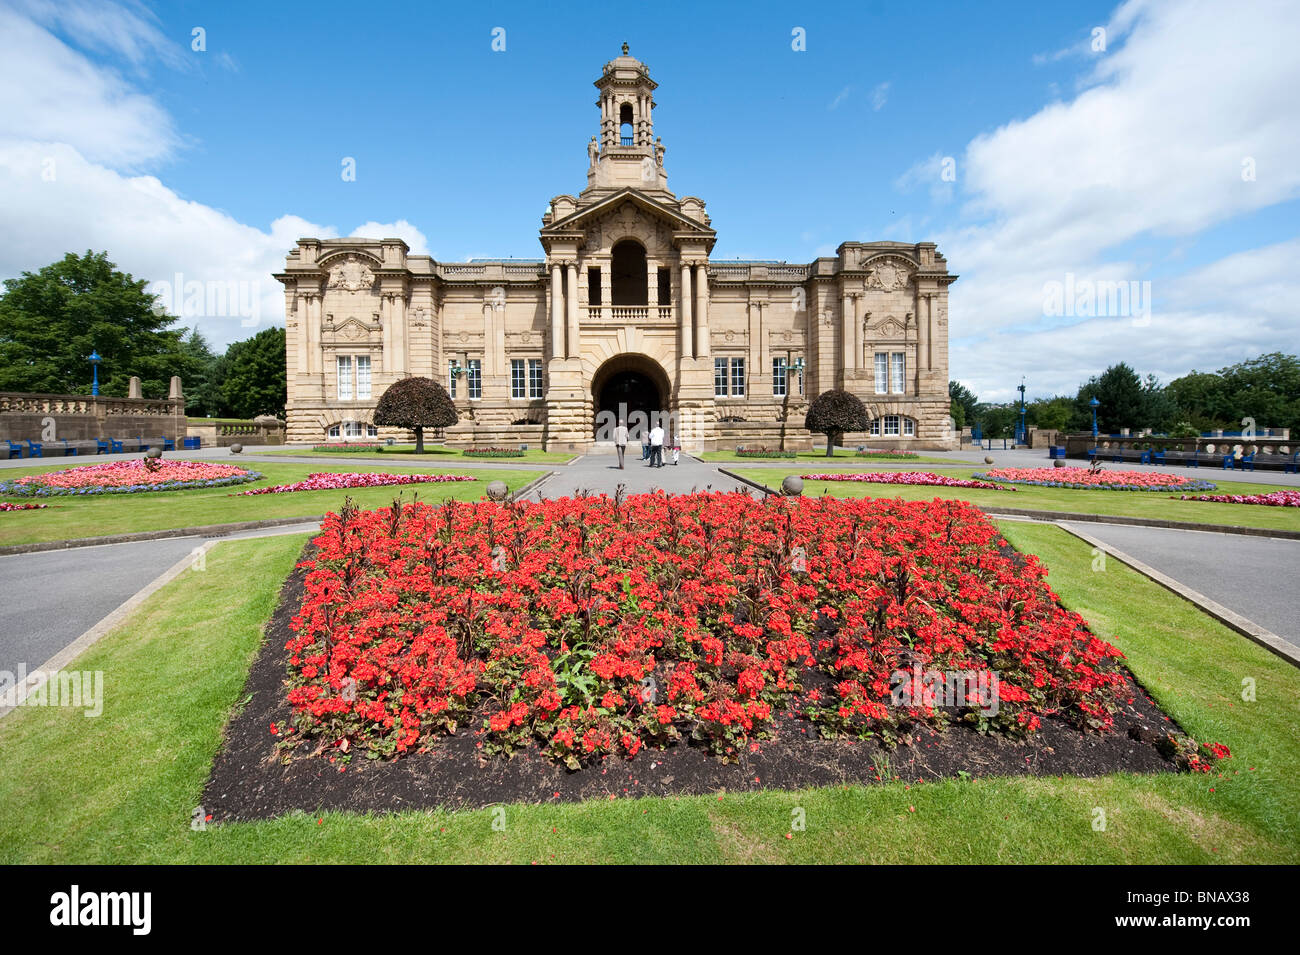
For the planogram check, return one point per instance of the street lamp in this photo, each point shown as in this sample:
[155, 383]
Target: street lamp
[797, 367]
[1022, 436]
[94, 365]
[1094, 404]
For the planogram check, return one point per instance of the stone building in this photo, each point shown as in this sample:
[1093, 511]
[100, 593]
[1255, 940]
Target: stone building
[625, 313]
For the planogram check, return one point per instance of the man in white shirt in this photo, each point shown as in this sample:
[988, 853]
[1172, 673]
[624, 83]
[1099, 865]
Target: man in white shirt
[656, 447]
[620, 442]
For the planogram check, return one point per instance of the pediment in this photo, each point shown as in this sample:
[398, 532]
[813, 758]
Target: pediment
[613, 204]
[350, 329]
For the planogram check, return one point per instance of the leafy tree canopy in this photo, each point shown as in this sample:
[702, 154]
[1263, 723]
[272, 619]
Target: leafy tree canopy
[832, 413]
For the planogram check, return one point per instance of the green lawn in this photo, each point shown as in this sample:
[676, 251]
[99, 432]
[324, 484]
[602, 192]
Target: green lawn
[104, 514]
[121, 788]
[842, 457]
[1149, 504]
[435, 453]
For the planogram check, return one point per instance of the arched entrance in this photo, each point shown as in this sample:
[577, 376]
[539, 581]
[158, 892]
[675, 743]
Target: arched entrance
[630, 387]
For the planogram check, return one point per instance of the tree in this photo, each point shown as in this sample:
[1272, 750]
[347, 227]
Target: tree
[963, 396]
[252, 376]
[51, 320]
[416, 403]
[1052, 414]
[1120, 392]
[198, 371]
[832, 413]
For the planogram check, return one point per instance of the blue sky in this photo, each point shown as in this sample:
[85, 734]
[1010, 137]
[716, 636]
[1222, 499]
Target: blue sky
[1122, 163]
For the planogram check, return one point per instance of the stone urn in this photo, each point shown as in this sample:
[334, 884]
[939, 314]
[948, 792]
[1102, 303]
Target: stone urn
[792, 486]
[497, 491]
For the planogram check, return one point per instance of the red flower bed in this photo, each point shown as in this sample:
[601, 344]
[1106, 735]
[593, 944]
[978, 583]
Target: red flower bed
[924, 478]
[598, 625]
[329, 481]
[5, 506]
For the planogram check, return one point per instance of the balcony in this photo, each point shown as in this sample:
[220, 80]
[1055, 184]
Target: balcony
[631, 314]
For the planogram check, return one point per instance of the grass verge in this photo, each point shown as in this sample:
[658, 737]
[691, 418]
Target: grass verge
[1154, 505]
[105, 514]
[122, 788]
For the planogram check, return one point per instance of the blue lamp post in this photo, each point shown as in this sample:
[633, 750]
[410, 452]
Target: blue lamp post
[1094, 404]
[94, 365]
[1022, 436]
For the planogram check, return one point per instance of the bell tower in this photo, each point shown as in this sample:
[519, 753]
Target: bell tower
[626, 153]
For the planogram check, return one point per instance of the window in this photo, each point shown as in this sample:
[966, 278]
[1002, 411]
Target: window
[897, 366]
[452, 365]
[738, 376]
[534, 378]
[363, 377]
[720, 377]
[625, 125]
[778, 377]
[891, 425]
[593, 286]
[909, 428]
[875, 426]
[344, 377]
[518, 384]
[353, 429]
[882, 373]
[474, 378]
[665, 285]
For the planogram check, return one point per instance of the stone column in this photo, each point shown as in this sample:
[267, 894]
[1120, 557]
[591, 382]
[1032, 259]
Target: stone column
[702, 343]
[571, 299]
[755, 316]
[857, 332]
[847, 363]
[314, 331]
[929, 332]
[684, 319]
[304, 340]
[762, 374]
[399, 334]
[557, 313]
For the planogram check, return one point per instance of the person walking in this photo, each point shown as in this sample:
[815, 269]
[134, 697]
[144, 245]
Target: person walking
[677, 451]
[645, 445]
[656, 447]
[620, 442]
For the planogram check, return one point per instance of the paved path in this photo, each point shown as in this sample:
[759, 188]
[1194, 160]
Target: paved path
[53, 597]
[598, 473]
[1252, 576]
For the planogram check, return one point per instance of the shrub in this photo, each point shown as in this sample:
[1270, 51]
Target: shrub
[833, 413]
[416, 404]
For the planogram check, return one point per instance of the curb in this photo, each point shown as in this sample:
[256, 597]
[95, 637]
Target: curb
[744, 480]
[1233, 621]
[1140, 522]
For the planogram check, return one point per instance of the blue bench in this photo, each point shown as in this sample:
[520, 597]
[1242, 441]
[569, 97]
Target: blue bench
[1153, 456]
[115, 446]
[35, 450]
[15, 450]
[193, 444]
[102, 447]
[1247, 462]
[1292, 466]
[69, 450]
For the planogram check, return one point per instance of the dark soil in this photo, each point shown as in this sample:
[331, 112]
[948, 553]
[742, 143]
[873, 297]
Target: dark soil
[249, 781]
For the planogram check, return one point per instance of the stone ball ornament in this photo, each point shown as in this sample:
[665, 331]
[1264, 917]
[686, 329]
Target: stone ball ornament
[792, 486]
[1058, 463]
[497, 491]
[236, 448]
[153, 453]
[988, 460]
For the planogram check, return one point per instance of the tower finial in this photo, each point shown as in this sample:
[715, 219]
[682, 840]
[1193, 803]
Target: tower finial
[625, 48]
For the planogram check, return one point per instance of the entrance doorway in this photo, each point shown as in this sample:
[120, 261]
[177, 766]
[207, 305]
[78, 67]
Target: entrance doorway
[632, 388]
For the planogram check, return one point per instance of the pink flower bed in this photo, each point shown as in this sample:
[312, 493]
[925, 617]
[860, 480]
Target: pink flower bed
[5, 506]
[128, 477]
[1271, 499]
[1096, 480]
[338, 482]
[927, 478]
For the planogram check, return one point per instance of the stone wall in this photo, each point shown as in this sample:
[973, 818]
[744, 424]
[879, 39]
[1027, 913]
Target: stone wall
[85, 418]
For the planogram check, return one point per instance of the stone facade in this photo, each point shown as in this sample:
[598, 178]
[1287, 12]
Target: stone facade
[626, 312]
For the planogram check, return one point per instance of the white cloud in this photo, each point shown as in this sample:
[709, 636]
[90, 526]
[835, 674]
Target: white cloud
[840, 97]
[879, 95]
[1152, 148]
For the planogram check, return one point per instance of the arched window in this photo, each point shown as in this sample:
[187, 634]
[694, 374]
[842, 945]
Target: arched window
[625, 133]
[893, 426]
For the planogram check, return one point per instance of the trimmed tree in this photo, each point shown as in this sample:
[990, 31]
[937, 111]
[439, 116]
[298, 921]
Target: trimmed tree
[832, 413]
[416, 404]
